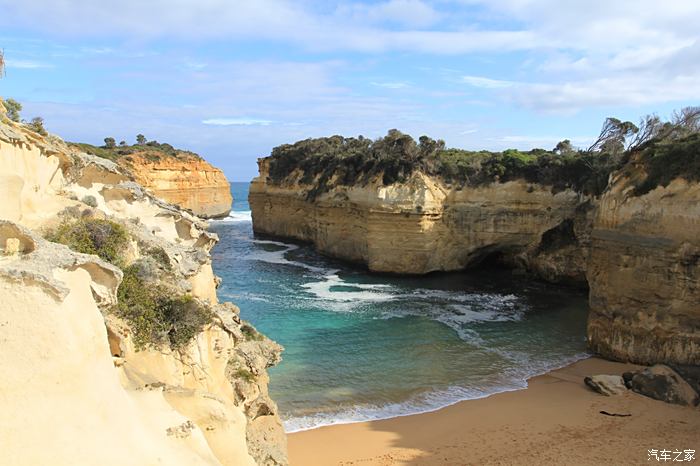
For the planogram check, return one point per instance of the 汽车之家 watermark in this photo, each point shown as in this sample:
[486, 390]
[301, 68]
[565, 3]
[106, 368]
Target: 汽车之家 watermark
[671, 455]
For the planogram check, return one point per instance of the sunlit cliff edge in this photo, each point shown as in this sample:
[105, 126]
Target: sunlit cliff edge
[80, 385]
[187, 181]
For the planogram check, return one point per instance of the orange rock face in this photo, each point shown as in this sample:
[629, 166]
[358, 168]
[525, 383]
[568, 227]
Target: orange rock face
[185, 180]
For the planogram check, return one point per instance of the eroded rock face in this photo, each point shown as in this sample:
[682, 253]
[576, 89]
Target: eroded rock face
[639, 255]
[644, 274]
[663, 383]
[186, 181]
[423, 225]
[108, 402]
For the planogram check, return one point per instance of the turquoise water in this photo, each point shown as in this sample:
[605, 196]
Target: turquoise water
[361, 346]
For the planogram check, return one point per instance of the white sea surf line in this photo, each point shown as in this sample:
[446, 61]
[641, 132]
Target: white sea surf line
[236, 216]
[364, 292]
[425, 404]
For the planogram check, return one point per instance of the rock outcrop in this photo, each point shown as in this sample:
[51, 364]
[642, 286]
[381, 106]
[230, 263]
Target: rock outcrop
[663, 383]
[76, 380]
[185, 180]
[424, 225]
[644, 273]
[608, 385]
[634, 244]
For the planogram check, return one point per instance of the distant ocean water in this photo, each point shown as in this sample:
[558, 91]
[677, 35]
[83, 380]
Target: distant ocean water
[361, 347]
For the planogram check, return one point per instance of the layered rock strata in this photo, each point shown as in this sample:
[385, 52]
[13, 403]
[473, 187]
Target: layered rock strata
[185, 180]
[423, 225]
[77, 388]
[638, 254]
[644, 273]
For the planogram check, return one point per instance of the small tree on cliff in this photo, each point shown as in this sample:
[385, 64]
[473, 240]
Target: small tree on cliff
[110, 143]
[13, 108]
[564, 147]
[37, 125]
[140, 139]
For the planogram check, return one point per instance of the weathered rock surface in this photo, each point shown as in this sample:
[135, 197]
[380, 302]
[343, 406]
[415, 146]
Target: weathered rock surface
[184, 180]
[644, 273]
[607, 385]
[663, 383]
[74, 382]
[638, 254]
[424, 225]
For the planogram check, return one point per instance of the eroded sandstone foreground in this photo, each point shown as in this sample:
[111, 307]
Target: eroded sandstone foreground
[634, 241]
[162, 373]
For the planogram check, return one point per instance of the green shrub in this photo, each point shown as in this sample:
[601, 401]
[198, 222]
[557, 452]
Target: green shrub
[13, 109]
[152, 150]
[250, 333]
[89, 200]
[245, 374]
[37, 125]
[669, 150]
[337, 161]
[160, 256]
[103, 238]
[157, 317]
[665, 161]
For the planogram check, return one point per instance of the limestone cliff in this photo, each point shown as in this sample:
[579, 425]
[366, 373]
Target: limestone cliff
[644, 272]
[185, 180]
[78, 388]
[634, 241]
[424, 225]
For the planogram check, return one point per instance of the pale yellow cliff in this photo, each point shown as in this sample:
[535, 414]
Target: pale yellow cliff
[423, 225]
[76, 390]
[644, 273]
[184, 180]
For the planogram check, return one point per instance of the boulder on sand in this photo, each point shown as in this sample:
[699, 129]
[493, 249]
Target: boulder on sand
[663, 383]
[607, 385]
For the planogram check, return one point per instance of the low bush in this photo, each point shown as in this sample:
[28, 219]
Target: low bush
[103, 238]
[160, 256]
[665, 161]
[152, 150]
[668, 149]
[155, 315]
[250, 333]
[89, 200]
[337, 161]
[244, 374]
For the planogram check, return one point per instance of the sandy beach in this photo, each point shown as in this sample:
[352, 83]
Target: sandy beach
[556, 420]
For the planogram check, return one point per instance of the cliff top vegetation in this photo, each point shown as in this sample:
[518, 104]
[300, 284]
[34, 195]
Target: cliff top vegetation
[151, 150]
[664, 147]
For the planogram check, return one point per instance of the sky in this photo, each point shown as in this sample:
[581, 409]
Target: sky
[230, 79]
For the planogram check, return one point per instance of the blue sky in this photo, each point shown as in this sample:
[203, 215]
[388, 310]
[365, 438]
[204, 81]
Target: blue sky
[232, 79]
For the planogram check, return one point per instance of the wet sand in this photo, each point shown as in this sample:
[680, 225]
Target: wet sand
[556, 420]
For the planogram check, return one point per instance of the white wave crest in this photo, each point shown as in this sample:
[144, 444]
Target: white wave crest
[239, 216]
[427, 402]
[348, 292]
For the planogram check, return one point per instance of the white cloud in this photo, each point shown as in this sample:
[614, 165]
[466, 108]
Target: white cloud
[236, 122]
[391, 84]
[487, 83]
[26, 64]
[412, 13]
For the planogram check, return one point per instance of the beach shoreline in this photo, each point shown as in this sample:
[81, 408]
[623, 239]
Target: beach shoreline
[555, 420]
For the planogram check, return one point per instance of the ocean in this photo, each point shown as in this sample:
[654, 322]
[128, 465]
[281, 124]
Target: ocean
[361, 347]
